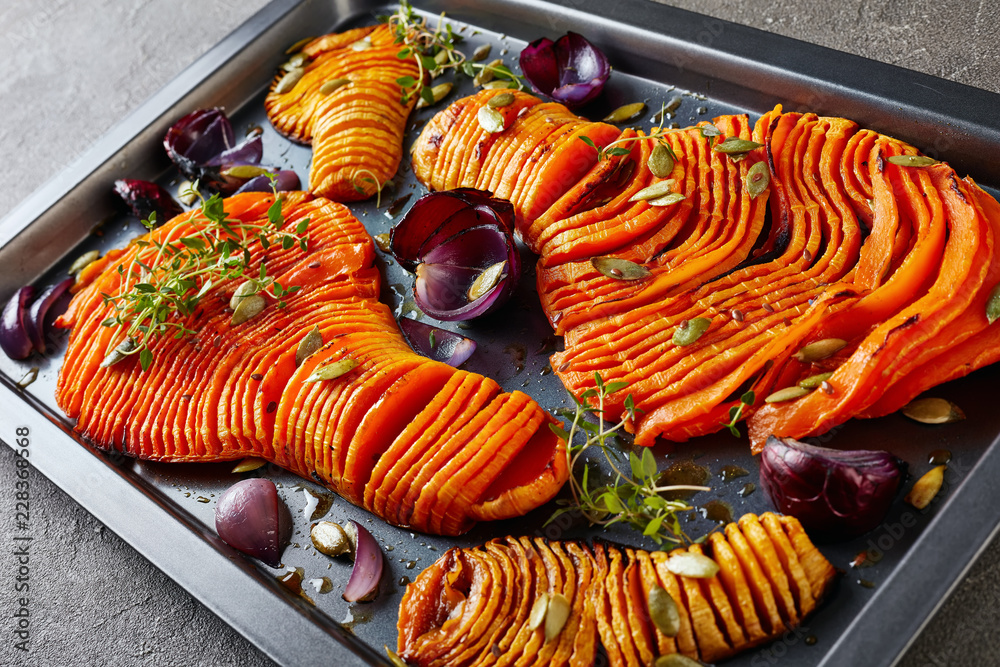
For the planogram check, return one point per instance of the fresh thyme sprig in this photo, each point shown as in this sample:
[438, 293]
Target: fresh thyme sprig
[435, 52]
[634, 498]
[736, 412]
[166, 280]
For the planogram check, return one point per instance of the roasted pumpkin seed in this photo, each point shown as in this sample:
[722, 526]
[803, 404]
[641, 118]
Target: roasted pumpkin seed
[709, 130]
[362, 44]
[487, 74]
[438, 93]
[394, 658]
[933, 411]
[626, 112]
[926, 488]
[330, 538]
[820, 349]
[735, 146]
[912, 160]
[297, 46]
[619, 269]
[311, 342]
[500, 101]
[537, 615]
[486, 281]
[289, 81]
[668, 200]
[676, 660]
[787, 394]
[247, 171]
[248, 464]
[296, 61]
[247, 309]
[187, 193]
[758, 178]
[83, 261]
[245, 289]
[382, 241]
[993, 305]
[814, 381]
[332, 85]
[441, 58]
[481, 53]
[654, 191]
[495, 85]
[332, 371]
[663, 611]
[120, 352]
[490, 120]
[556, 616]
[660, 162]
[690, 331]
[696, 566]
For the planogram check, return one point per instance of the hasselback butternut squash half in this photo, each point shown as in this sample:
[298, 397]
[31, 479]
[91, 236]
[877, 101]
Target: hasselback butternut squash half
[415, 441]
[349, 107]
[476, 606]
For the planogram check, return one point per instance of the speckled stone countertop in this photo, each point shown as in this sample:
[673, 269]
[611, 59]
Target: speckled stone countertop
[72, 70]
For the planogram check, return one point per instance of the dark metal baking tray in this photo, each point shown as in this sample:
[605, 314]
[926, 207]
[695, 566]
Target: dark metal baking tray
[165, 511]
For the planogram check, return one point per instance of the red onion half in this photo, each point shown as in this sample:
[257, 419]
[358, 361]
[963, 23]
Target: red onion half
[368, 563]
[436, 343]
[248, 518]
[49, 305]
[450, 239]
[570, 70]
[203, 146]
[835, 494]
[144, 198]
[14, 338]
[284, 181]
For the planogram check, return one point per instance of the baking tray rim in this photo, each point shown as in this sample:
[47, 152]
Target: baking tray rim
[915, 589]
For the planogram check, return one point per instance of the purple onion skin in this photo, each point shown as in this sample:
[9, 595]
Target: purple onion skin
[285, 180]
[448, 239]
[144, 198]
[368, 565]
[203, 146]
[248, 518]
[571, 70]
[49, 305]
[14, 338]
[836, 495]
[448, 346]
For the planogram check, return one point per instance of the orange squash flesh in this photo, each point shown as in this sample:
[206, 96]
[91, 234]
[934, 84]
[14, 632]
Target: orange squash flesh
[608, 591]
[227, 392]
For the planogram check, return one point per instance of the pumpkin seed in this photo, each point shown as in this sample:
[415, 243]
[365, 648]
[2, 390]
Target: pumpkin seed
[487, 74]
[735, 145]
[333, 85]
[676, 660]
[992, 305]
[289, 81]
[709, 130]
[330, 538]
[933, 411]
[620, 269]
[820, 349]
[663, 611]
[626, 112]
[696, 566]
[787, 394]
[83, 261]
[482, 53]
[668, 200]
[332, 371]
[912, 160]
[490, 120]
[556, 616]
[660, 162]
[248, 308]
[495, 85]
[248, 464]
[690, 331]
[758, 178]
[486, 281]
[245, 171]
[500, 101]
[537, 615]
[394, 658]
[296, 61]
[311, 342]
[441, 58]
[928, 486]
[362, 44]
[120, 352]
[814, 381]
[438, 93]
[244, 290]
[187, 193]
[297, 46]
[382, 241]
[654, 191]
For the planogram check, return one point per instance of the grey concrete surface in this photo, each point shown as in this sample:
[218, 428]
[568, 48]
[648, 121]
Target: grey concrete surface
[74, 69]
